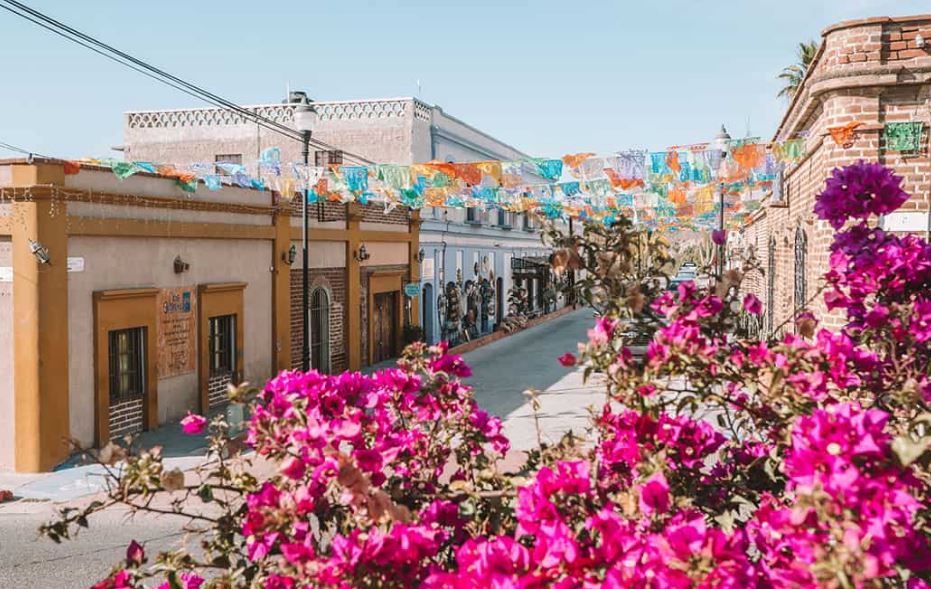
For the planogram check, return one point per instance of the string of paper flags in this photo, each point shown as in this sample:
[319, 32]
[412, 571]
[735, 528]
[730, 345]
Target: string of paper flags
[673, 189]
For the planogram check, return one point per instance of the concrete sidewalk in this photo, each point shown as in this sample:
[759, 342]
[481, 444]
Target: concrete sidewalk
[76, 478]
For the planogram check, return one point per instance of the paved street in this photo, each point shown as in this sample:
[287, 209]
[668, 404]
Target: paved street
[502, 371]
[505, 369]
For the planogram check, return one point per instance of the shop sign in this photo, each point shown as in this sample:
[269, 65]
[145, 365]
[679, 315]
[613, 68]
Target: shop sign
[75, 264]
[176, 331]
[427, 271]
[412, 289]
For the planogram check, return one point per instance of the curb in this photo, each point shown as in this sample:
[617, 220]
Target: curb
[499, 335]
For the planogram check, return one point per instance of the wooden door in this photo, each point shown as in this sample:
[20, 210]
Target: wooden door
[385, 326]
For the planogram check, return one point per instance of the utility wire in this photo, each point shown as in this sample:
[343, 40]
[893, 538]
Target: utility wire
[10, 147]
[140, 66]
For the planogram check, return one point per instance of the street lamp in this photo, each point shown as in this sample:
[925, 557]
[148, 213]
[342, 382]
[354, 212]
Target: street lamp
[718, 147]
[305, 117]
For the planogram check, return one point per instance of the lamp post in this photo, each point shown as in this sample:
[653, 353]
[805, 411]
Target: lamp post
[305, 116]
[719, 146]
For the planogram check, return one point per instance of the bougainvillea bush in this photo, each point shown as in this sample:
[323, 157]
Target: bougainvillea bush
[799, 461]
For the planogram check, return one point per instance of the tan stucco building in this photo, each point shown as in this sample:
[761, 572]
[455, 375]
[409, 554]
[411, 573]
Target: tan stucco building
[126, 303]
[461, 248]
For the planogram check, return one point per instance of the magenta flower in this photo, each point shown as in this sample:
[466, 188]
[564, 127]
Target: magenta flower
[135, 554]
[293, 467]
[568, 359]
[752, 304]
[193, 424]
[859, 191]
[654, 495]
[719, 236]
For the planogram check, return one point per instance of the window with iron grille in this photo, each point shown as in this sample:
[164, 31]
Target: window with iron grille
[801, 253]
[227, 158]
[333, 157]
[320, 330]
[221, 342]
[771, 285]
[127, 364]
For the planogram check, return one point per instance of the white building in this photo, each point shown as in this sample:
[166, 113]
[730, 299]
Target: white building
[469, 251]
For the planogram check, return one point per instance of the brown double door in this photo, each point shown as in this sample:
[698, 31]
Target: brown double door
[385, 324]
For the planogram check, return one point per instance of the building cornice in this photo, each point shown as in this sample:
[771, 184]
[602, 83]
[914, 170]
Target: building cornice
[816, 84]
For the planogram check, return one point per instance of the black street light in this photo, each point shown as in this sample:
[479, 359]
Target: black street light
[719, 146]
[305, 117]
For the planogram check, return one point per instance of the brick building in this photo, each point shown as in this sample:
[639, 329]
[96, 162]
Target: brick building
[126, 303]
[869, 72]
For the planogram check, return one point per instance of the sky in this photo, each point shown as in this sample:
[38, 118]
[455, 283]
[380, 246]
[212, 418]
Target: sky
[548, 77]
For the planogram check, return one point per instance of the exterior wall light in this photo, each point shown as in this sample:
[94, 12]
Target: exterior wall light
[180, 265]
[40, 252]
[920, 41]
[421, 255]
[361, 255]
[289, 256]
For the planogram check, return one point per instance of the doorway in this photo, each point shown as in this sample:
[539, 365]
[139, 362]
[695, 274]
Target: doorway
[426, 303]
[385, 324]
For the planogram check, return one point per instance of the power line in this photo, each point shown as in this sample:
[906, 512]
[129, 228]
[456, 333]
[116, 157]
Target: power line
[10, 147]
[140, 66]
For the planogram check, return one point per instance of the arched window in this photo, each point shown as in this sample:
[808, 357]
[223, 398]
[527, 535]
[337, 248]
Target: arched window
[801, 254]
[771, 285]
[320, 330]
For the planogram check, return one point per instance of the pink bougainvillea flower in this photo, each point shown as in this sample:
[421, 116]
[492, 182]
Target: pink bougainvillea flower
[568, 359]
[193, 424]
[654, 495]
[121, 579]
[135, 553]
[188, 581]
[858, 191]
[752, 304]
[293, 467]
[719, 236]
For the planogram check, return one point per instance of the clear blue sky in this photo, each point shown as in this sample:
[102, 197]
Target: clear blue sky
[549, 77]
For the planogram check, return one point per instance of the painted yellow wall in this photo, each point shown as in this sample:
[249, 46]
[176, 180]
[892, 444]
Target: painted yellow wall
[125, 262]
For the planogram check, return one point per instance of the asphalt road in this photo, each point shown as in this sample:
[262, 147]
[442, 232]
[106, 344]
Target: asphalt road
[502, 371]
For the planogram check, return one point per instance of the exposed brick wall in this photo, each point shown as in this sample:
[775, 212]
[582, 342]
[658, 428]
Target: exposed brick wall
[849, 82]
[336, 211]
[334, 281]
[323, 211]
[218, 390]
[375, 213]
[125, 418]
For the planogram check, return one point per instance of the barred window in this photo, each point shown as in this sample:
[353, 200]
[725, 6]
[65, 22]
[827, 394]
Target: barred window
[771, 285]
[227, 158]
[333, 157]
[801, 255]
[320, 330]
[222, 344]
[127, 363]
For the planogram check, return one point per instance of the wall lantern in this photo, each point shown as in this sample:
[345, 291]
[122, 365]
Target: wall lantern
[361, 255]
[289, 256]
[421, 255]
[180, 265]
[39, 251]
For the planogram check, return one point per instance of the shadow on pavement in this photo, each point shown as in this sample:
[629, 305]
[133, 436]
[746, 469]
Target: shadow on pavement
[503, 370]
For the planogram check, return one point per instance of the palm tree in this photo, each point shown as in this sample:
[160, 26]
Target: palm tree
[795, 73]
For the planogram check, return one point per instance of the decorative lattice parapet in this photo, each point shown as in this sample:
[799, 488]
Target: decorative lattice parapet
[280, 113]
